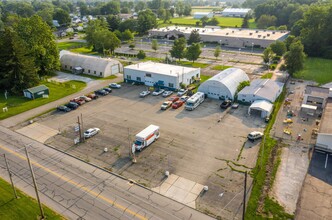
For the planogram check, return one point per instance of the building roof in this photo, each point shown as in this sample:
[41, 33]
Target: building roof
[262, 105]
[317, 91]
[265, 88]
[202, 13]
[160, 68]
[236, 10]
[326, 120]
[37, 89]
[312, 107]
[226, 32]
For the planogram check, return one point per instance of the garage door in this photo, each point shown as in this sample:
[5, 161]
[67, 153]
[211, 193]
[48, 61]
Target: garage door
[115, 69]
[213, 92]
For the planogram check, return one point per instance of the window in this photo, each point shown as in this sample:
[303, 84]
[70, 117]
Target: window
[138, 79]
[171, 85]
[71, 67]
[197, 75]
[101, 73]
[65, 66]
[148, 74]
[129, 77]
[95, 72]
[88, 71]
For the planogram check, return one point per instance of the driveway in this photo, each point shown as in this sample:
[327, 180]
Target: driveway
[64, 77]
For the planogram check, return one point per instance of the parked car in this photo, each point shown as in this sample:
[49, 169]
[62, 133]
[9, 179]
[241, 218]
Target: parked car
[158, 92]
[235, 106]
[167, 93]
[91, 132]
[109, 90]
[173, 98]
[101, 92]
[225, 104]
[85, 98]
[114, 85]
[255, 135]
[166, 105]
[184, 98]
[93, 96]
[177, 104]
[63, 108]
[78, 100]
[182, 92]
[72, 105]
[144, 93]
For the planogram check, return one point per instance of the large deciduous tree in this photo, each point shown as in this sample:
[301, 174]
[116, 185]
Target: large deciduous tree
[193, 52]
[294, 58]
[154, 45]
[267, 55]
[146, 20]
[266, 21]
[106, 40]
[279, 48]
[179, 48]
[62, 16]
[93, 27]
[194, 37]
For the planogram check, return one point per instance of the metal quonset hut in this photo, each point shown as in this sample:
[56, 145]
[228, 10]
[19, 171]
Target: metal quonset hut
[36, 92]
[264, 107]
[91, 65]
[224, 84]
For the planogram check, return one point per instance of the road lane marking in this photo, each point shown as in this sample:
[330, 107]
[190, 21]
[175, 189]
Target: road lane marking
[110, 201]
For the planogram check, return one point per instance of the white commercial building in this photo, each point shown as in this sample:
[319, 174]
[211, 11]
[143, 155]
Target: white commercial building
[262, 106]
[235, 12]
[91, 65]
[229, 37]
[199, 15]
[160, 75]
[260, 89]
[224, 85]
[324, 136]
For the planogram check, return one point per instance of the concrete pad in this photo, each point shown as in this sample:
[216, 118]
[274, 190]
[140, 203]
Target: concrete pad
[184, 184]
[38, 132]
[171, 179]
[176, 194]
[190, 198]
[197, 189]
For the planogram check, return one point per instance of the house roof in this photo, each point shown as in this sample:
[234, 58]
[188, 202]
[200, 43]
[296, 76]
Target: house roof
[262, 105]
[37, 89]
[265, 88]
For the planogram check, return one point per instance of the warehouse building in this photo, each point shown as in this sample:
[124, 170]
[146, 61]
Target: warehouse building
[223, 85]
[41, 91]
[262, 107]
[261, 89]
[199, 15]
[229, 37]
[236, 12]
[160, 75]
[315, 96]
[324, 136]
[91, 65]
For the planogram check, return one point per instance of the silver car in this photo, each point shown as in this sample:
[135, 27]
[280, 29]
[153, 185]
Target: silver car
[91, 132]
[144, 93]
[167, 93]
[158, 92]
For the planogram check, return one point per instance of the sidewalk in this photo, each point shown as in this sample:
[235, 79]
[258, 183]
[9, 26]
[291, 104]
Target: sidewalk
[97, 84]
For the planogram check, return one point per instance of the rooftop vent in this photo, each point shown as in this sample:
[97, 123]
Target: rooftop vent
[256, 31]
[259, 36]
[232, 31]
[273, 32]
[226, 33]
[250, 34]
[268, 35]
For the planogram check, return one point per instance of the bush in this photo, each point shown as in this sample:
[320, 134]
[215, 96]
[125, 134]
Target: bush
[273, 66]
[141, 55]
[132, 46]
[283, 67]
[276, 58]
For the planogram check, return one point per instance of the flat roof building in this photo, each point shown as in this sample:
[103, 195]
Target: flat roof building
[324, 136]
[160, 75]
[199, 15]
[235, 12]
[316, 96]
[230, 37]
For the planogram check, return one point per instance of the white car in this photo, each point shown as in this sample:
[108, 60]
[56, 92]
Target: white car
[91, 132]
[184, 98]
[85, 98]
[114, 85]
[255, 135]
[144, 93]
[167, 93]
[158, 92]
[182, 92]
[166, 105]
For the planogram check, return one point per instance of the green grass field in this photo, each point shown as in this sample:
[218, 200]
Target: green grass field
[267, 76]
[18, 104]
[69, 45]
[24, 207]
[316, 69]
[220, 67]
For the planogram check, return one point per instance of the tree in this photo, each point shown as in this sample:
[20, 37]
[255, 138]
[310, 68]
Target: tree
[217, 52]
[167, 16]
[140, 6]
[266, 21]
[161, 13]
[213, 21]
[118, 34]
[127, 35]
[113, 22]
[193, 52]
[289, 40]
[178, 48]
[46, 15]
[106, 40]
[194, 37]
[146, 20]
[112, 8]
[132, 46]
[124, 10]
[154, 45]
[187, 10]
[130, 24]
[204, 20]
[172, 11]
[294, 58]
[179, 8]
[245, 22]
[267, 55]
[242, 85]
[62, 16]
[141, 55]
[93, 27]
[279, 48]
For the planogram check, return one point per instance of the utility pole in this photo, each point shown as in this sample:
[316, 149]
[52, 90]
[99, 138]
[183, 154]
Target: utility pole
[82, 128]
[35, 184]
[79, 128]
[131, 150]
[244, 195]
[10, 176]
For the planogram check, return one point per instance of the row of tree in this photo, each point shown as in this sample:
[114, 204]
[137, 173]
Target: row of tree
[28, 52]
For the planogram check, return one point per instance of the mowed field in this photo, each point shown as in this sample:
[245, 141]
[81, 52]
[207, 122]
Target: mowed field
[316, 69]
[204, 9]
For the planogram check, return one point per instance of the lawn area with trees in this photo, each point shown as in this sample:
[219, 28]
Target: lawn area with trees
[17, 104]
[24, 207]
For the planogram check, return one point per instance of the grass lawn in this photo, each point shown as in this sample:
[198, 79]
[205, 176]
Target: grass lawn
[316, 69]
[19, 104]
[191, 64]
[203, 79]
[204, 9]
[84, 50]
[69, 45]
[220, 67]
[267, 76]
[23, 208]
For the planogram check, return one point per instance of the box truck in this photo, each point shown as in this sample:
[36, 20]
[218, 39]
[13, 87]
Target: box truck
[146, 137]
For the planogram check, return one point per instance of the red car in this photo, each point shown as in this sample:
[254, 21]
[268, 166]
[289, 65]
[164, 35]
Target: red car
[93, 96]
[177, 104]
[78, 100]
[173, 98]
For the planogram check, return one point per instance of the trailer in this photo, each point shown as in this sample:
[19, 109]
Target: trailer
[194, 101]
[146, 137]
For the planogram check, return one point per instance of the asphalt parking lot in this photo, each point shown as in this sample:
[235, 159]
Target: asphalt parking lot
[199, 145]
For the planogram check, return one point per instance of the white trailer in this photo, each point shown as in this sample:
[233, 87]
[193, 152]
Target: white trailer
[146, 137]
[194, 101]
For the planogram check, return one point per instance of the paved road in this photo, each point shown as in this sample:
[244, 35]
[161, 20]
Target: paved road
[92, 86]
[78, 190]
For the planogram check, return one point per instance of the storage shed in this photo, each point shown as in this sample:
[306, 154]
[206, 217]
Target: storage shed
[36, 92]
[224, 85]
[264, 107]
[199, 15]
[261, 89]
[91, 65]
